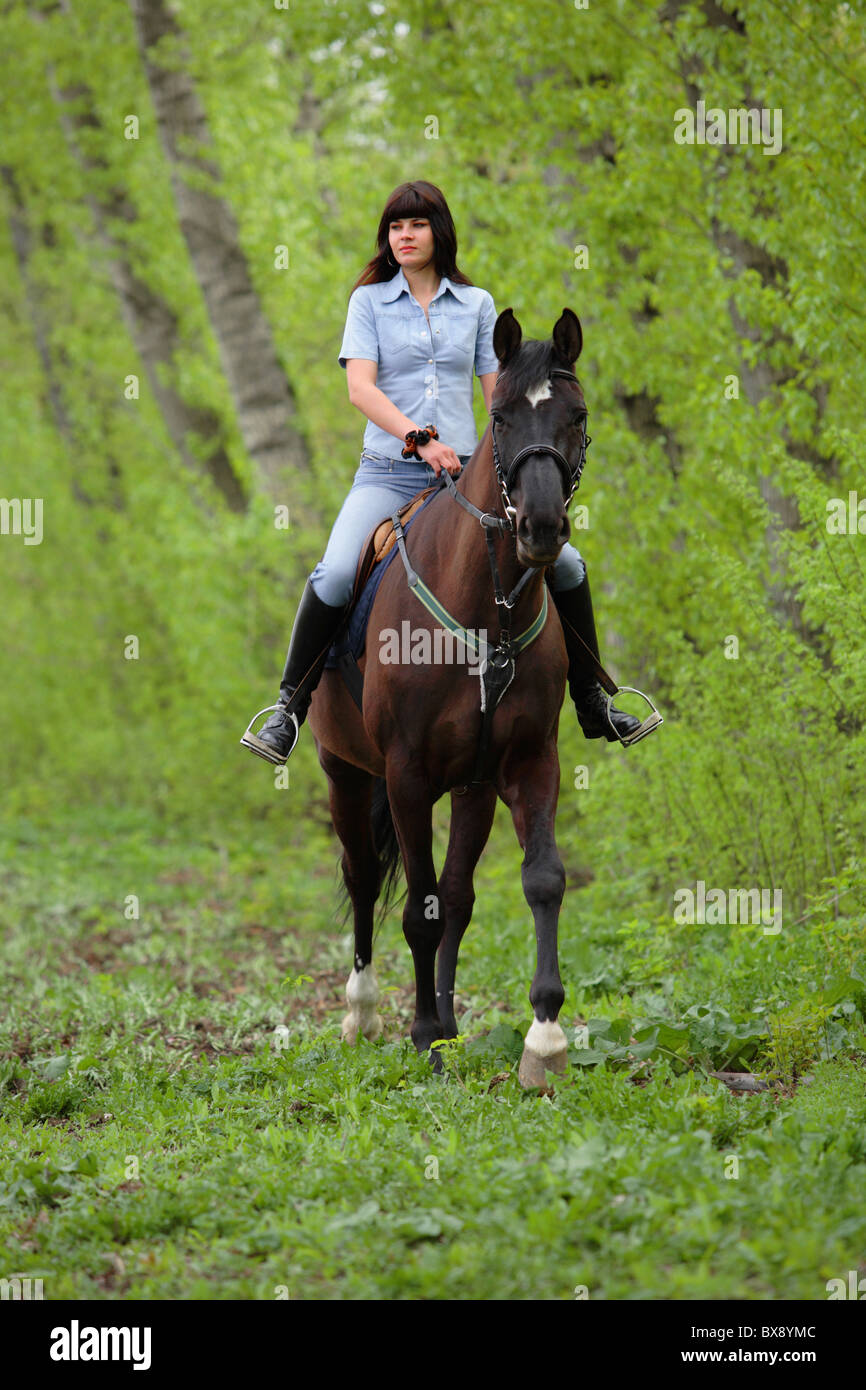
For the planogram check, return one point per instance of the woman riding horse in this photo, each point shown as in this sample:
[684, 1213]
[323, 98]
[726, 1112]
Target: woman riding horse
[411, 344]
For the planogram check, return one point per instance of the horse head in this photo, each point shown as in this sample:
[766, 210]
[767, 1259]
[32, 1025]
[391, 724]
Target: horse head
[538, 425]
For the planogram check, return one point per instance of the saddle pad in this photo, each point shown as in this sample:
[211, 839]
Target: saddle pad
[352, 637]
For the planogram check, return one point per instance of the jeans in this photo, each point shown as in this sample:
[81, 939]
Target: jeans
[380, 486]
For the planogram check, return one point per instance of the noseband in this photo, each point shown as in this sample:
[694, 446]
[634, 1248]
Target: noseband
[570, 477]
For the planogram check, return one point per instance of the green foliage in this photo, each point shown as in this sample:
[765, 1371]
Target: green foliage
[708, 521]
[757, 776]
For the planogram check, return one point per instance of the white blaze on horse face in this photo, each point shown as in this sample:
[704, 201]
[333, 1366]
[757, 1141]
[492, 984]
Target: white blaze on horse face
[546, 1039]
[539, 393]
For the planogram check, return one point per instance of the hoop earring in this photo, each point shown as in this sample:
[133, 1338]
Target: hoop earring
[391, 260]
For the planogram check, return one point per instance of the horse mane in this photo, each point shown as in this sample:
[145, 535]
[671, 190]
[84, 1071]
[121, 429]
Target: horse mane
[531, 365]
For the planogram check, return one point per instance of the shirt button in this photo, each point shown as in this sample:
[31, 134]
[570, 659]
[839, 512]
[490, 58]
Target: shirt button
[429, 392]
[429, 359]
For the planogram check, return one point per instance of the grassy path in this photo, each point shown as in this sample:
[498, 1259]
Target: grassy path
[180, 1120]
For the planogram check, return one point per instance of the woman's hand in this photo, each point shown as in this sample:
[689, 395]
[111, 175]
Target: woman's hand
[440, 456]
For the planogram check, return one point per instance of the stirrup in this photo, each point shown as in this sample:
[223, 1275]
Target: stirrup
[651, 722]
[264, 750]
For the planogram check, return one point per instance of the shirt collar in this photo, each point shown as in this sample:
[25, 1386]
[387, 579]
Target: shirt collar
[394, 288]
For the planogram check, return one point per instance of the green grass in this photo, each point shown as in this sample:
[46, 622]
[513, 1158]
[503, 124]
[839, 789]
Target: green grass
[180, 1120]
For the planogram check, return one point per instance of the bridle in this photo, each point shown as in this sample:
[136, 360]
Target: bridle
[490, 522]
[570, 477]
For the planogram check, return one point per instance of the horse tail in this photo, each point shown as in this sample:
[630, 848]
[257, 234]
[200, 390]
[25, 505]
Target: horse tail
[385, 842]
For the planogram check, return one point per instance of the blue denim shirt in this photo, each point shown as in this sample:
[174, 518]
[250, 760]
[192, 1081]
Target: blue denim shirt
[425, 369]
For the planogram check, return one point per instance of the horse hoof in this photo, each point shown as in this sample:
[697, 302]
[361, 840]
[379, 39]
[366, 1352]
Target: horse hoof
[532, 1071]
[354, 1027]
[545, 1050]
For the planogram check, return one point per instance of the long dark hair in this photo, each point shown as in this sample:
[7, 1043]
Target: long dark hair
[417, 199]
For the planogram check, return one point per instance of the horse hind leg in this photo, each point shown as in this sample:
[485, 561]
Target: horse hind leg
[423, 925]
[472, 815]
[351, 802]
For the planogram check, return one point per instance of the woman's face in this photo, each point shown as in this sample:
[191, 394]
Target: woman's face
[411, 241]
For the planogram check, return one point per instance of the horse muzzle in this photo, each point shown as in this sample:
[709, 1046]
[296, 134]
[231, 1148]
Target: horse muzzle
[537, 545]
[536, 559]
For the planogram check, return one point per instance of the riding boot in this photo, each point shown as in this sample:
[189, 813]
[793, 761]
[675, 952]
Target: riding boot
[578, 628]
[316, 625]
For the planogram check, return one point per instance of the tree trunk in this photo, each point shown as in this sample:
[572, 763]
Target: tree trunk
[150, 321]
[261, 393]
[21, 238]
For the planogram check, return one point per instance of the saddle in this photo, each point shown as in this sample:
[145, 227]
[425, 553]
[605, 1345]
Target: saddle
[376, 553]
[382, 539]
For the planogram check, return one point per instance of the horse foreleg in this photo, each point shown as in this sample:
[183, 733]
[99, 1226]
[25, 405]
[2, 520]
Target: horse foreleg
[530, 791]
[423, 921]
[350, 795]
[471, 818]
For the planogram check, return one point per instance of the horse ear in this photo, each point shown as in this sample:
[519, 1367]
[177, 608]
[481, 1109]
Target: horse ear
[506, 337]
[568, 336]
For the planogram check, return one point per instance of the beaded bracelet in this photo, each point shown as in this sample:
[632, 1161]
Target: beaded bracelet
[414, 438]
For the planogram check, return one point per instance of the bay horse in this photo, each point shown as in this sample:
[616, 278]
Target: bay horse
[418, 736]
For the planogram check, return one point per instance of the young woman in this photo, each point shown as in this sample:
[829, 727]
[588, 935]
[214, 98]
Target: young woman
[416, 331]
